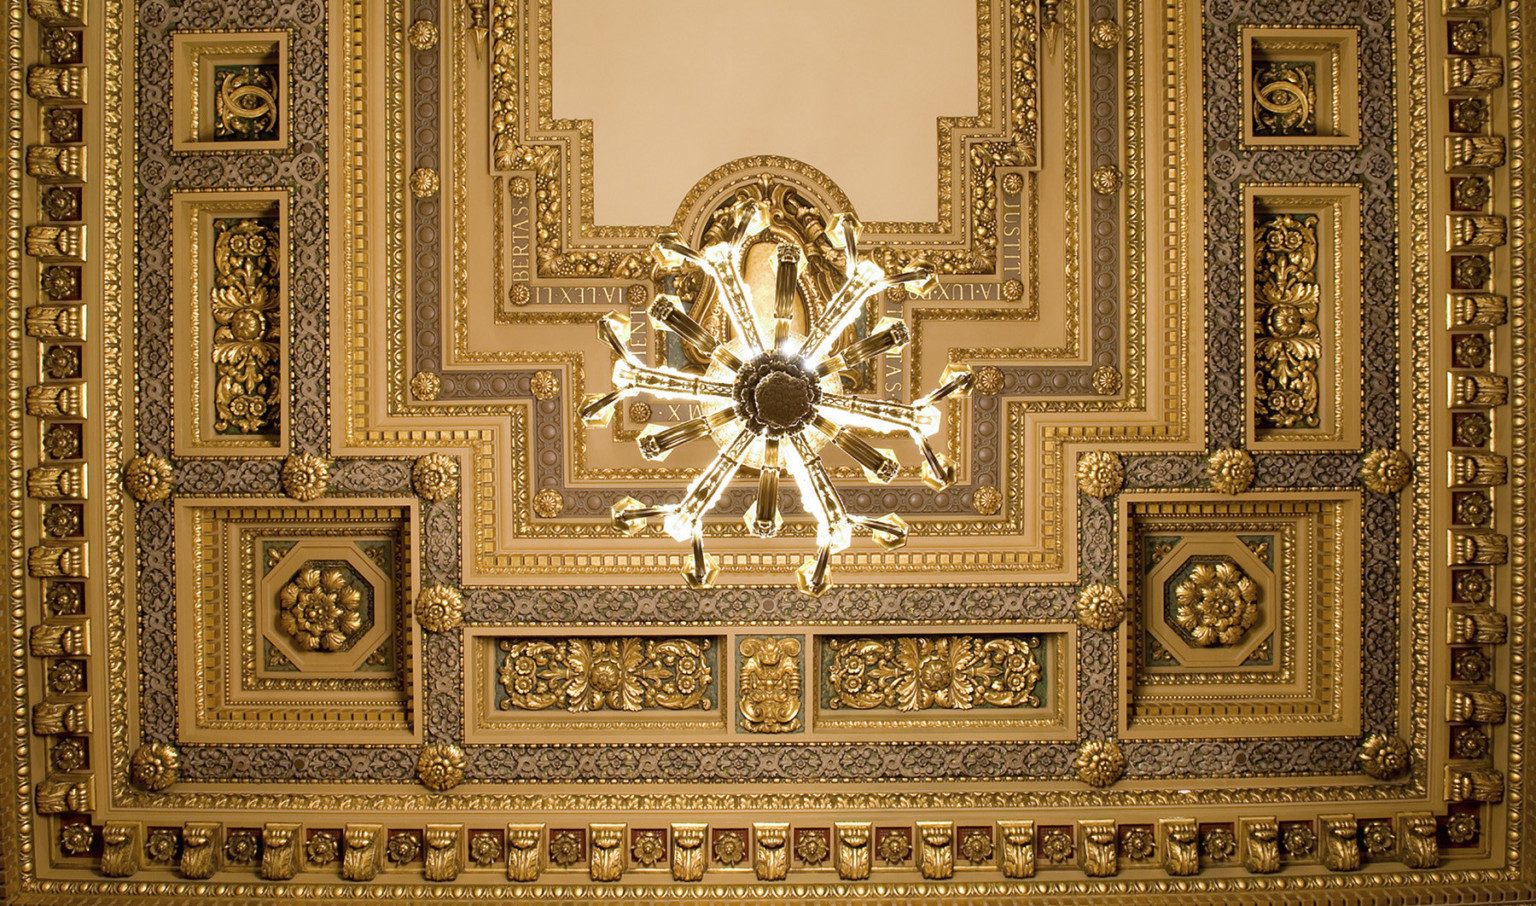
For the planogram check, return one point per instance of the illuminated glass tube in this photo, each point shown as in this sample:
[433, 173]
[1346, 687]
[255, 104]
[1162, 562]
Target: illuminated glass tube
[705, 490]
[656, 442]
[878, 465]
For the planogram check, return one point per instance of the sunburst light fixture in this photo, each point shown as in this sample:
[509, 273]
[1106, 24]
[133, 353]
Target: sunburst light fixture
[770, 398]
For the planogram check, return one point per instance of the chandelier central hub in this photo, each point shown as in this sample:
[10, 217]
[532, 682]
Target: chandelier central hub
[777, 394]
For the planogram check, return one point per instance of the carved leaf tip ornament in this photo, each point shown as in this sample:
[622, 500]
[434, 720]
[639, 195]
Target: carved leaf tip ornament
[1100, 606]
[1384, 757]
[148, 478]
[1100, 474]
[305, 476]
[435, 477]
[1386, 471]
[1231, 470]
[440, 608]
[1100, 762]
[440, 766]
[154, 766]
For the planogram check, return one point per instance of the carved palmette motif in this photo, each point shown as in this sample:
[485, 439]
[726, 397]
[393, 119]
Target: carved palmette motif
[1473, 470]
[769, 691]
[625, 674]
[54, 718]
[444, 855]
[936, 849]
[770, 850]
[525, 852]
[63, 793]
[47, 322]
[1018, 848]
[64, 400]
[280, 851]
[61, 637]
[364, 851]
[1341, 842]
[121, 847]
[688, 854]
[1478, 547]
[57, 482]
[1178, 839]
[56, 83]
[51, 561]
[245, 300]
[1098, 857]
[56, 163]
[201, 853]
[915, 673]
[1420, 847]
[1259, 844]
[1288, 346]
[1474, 626]
[1473, 784]
[56, 243]
[605, 861]
[851, 839]
[1476, 309]
[1473, 704]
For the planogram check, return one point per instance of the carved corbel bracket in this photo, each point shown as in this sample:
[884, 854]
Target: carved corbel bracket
[1018, 848]
[365, 851]
[1419, 845]
[445, 851]
[1098, 854]
[936, 849]
[1258, 842]
[605, 861]
[281, 854]
[853, 858]
[525, 852]
[122, 843]
[770, 852]
[688, 851]
[201, 854]
[1178, 839]
[1341, 842]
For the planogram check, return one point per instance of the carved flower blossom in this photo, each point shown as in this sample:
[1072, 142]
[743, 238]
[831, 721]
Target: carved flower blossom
[648, 848]
[730, 848]
[1100, 473]
[1216, 604]
[1056, 846]
[436, 476]
[564, 849]
[319, 609]
[1100, 606]
[1461, 828]
[1220, 844]
[1379, 839]
[440, 608]
[1138, 844]
[154, 766]
[935, 672]
[976, 846]
[161, 845]
[305, 476]
[1299, 840]
[402, 848]
[148, 478]
[76, 839]
[605, 674]
[894, 846]
[812, 848]
[1100, 762]
[1231, 470]
[1386, 471]
[440, 766]
[1383, 757]
[241, 848]
[484, 848]
[322, 848]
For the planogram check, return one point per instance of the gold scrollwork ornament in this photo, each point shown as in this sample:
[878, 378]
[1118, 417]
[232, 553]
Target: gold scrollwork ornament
[770, 684]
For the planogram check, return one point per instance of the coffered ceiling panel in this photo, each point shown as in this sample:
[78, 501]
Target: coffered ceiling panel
[407, 499]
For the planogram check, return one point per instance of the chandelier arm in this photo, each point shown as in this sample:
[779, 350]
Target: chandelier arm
[879, 465]
[688, 520]
[881, 415]
[666, 383]
[734, 294]
[667, 314]
[867, 280]
[784, 292]
[823, 500]
[889, 335]
[764, 520]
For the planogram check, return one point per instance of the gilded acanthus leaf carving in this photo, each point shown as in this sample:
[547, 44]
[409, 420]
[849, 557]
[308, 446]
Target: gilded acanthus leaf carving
[245, 300]
[624, 674]
[912, 673]
[1287, 343]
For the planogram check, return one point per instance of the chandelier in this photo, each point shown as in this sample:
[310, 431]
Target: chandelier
[771, 400]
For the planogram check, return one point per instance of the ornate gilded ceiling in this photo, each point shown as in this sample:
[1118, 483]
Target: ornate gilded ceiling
[317, 589]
